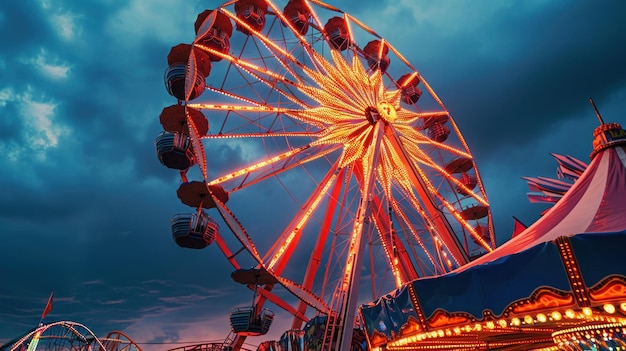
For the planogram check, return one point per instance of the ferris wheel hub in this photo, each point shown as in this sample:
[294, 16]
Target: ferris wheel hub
[386, 111]
[383, 110]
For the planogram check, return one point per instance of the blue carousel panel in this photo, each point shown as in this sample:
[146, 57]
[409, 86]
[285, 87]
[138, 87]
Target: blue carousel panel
[599, 255]
[314, 333]
[292, 340]
[495, 285]
[388, 314]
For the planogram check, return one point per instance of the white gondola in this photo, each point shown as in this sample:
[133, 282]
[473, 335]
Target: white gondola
[174, 150]
[194, 230]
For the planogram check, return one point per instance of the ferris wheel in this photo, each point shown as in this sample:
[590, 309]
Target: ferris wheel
[327, 155]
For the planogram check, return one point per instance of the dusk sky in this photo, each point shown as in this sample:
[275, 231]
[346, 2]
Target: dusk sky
[86, 205]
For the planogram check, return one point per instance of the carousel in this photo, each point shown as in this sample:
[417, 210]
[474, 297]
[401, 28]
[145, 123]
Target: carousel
[560, 284]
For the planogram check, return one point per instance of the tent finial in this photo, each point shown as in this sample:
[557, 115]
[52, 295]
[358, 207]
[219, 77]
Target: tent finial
[596, 110]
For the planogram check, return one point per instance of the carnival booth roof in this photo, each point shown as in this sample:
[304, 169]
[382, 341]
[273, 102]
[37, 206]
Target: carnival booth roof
[562, 281]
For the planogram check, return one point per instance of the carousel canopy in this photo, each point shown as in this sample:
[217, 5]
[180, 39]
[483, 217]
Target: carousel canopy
[595, 203]
[562, 273]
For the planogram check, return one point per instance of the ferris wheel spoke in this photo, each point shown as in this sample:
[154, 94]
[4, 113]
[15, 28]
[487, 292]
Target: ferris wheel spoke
[284, 246]
[427, 193]
[383, 223]
[403, 271]
[241, 98]
[325, 228]
[446, 236]
[264, 75]
[349, 286]
[410, 225]
[412, 140]
[422, 158]
[411, 117]
[263, 135]
[448, 242]
[237, 229]
[454, 211]
[279, 53]
[273, 166]
[406, 192]
[278, 301]
[305, 295]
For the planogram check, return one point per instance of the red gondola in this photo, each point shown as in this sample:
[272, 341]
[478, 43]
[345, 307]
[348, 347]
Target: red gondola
[469, 181]
[376, 54]
[218, 36]
[174, 150]
[438, 132]
[410, 92]
[298, 15]
[174, 119]
[252, 13]
[337, 31]
[483, 231]
[177, 72]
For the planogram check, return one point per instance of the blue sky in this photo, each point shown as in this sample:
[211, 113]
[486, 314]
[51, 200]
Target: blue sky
[85, 205]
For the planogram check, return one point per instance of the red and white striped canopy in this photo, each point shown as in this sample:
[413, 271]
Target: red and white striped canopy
[595, 203]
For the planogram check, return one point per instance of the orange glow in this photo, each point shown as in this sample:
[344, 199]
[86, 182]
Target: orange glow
[542, 299]
[301, 223]
[609, 308]
[613, 288]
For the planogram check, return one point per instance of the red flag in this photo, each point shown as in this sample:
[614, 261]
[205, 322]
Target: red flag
[48, 306]
[518, 228]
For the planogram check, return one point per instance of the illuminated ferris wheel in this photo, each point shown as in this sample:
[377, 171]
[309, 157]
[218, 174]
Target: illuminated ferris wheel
[338, 169]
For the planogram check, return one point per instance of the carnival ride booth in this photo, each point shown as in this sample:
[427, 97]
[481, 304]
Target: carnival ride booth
[248, 320]
[559, 284]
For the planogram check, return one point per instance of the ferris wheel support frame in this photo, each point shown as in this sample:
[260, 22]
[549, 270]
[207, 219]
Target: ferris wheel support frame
[350, 282]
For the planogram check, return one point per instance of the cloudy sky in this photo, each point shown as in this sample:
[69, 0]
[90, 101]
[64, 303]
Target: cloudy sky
[85, 206]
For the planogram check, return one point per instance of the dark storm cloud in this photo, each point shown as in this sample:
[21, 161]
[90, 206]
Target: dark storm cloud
[86, 205]
[539, 69]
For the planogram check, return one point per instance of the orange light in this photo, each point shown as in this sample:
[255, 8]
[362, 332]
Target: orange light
[609, 308]
[542, 318]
